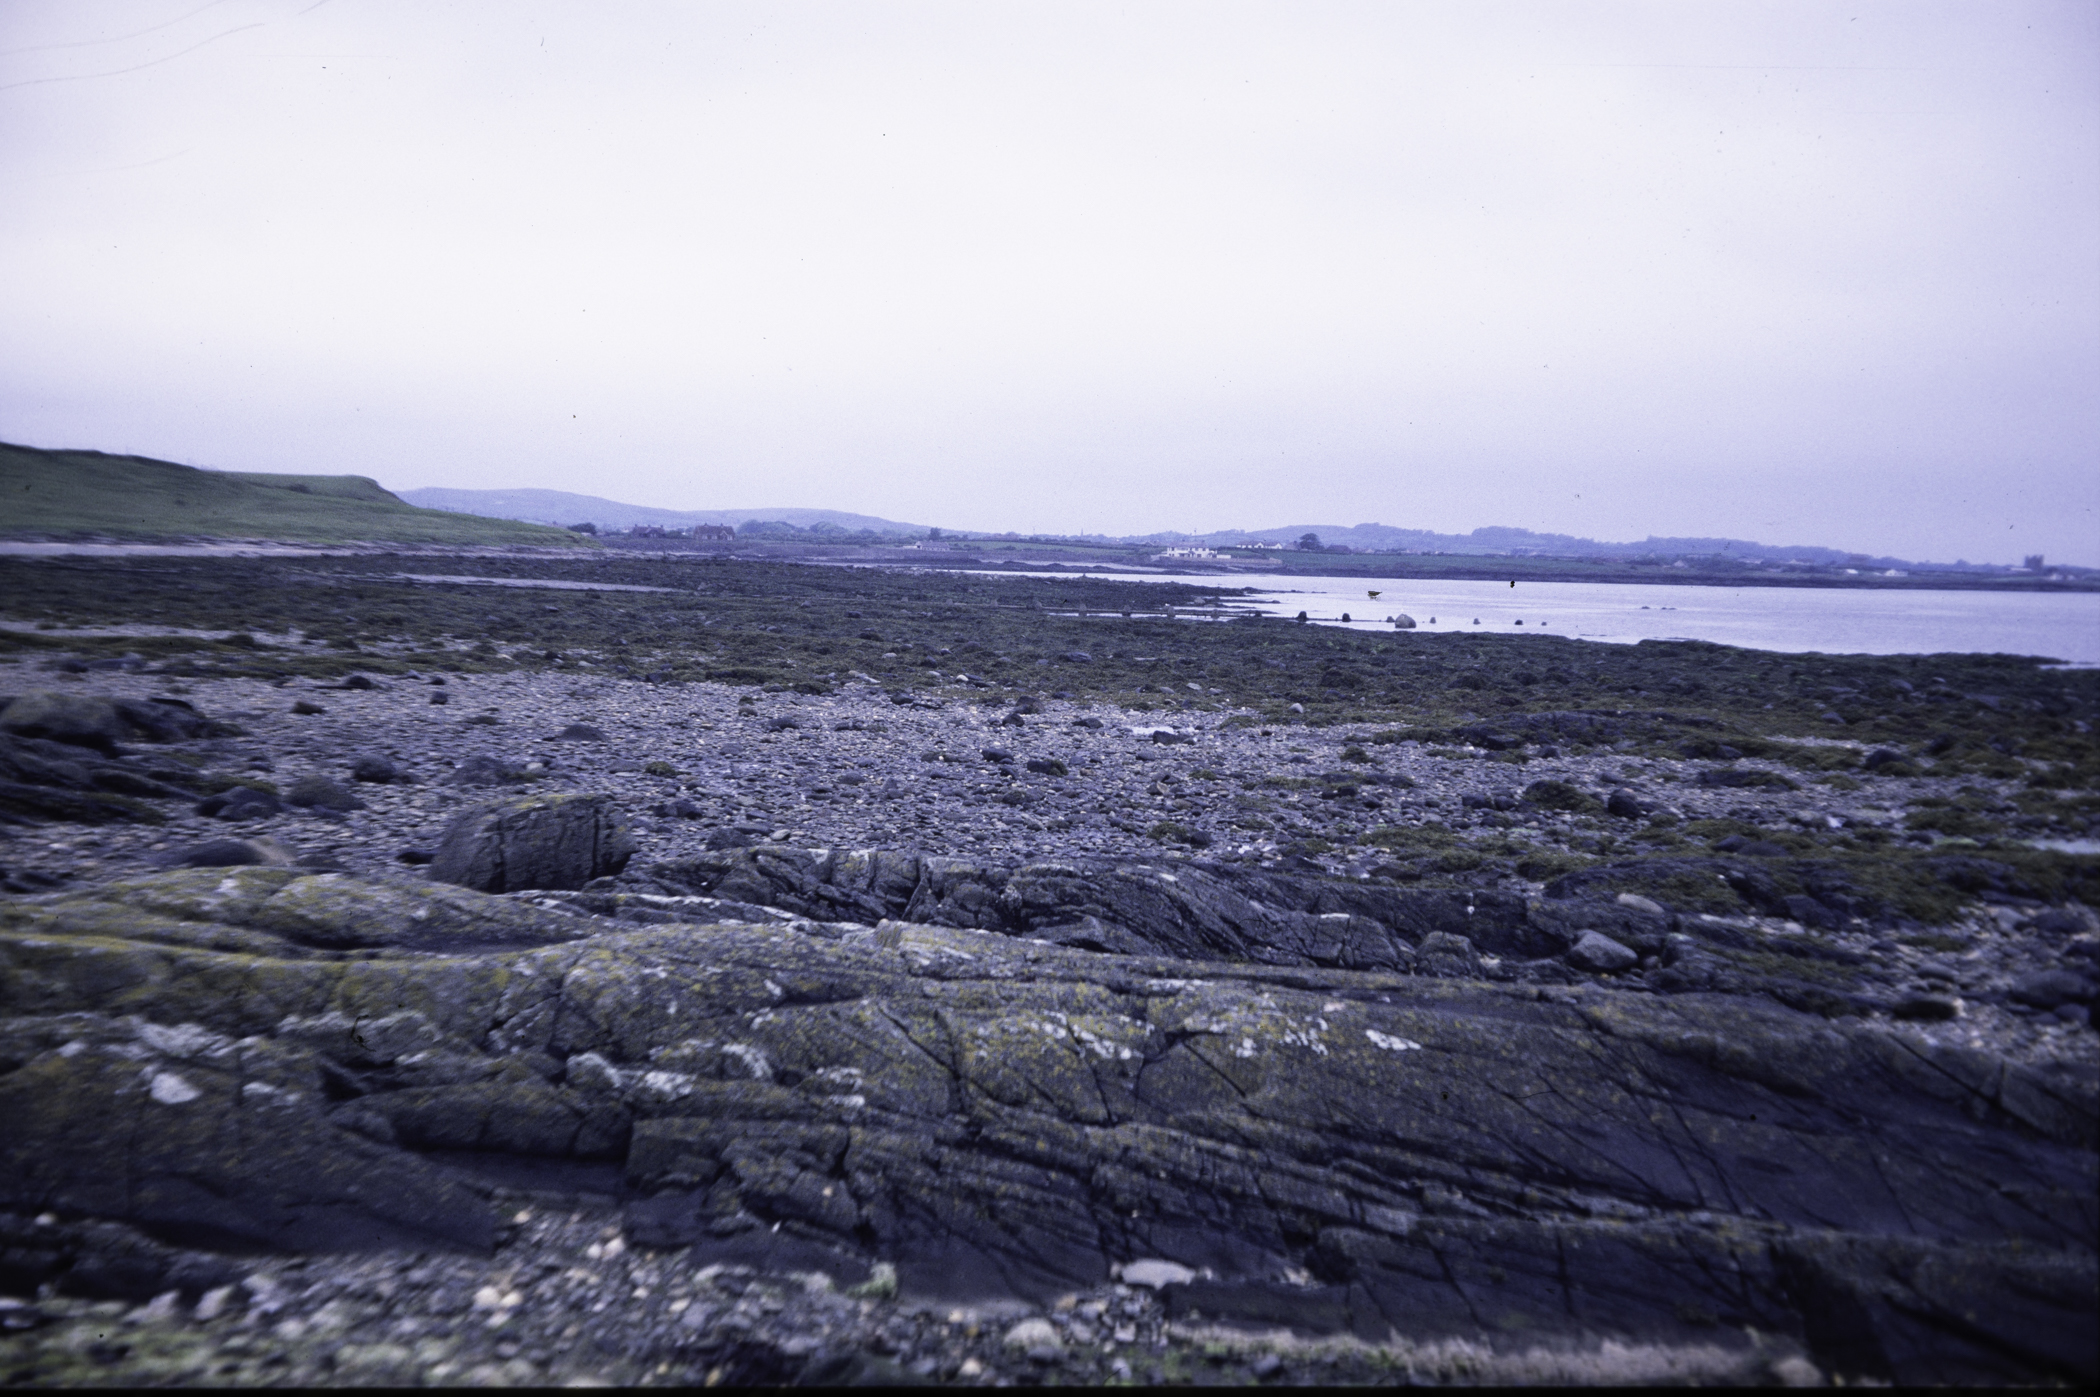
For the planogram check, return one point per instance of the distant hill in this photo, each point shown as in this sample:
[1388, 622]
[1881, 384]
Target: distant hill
[1498, 539]
[79, 494]
[563, 508]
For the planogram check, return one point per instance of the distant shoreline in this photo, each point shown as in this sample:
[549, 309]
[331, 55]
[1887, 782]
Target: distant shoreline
[1337, 565]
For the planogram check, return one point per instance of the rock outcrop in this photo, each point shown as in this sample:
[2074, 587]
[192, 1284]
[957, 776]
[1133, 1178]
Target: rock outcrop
[537, 841]
[89, 720]
[259, 1057]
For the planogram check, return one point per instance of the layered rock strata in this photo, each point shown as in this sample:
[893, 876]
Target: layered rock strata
[257, 1057]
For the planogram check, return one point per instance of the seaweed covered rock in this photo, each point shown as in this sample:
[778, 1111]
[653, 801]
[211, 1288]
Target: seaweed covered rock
[536, 841]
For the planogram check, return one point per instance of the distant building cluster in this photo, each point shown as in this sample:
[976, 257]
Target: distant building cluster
[710, 533]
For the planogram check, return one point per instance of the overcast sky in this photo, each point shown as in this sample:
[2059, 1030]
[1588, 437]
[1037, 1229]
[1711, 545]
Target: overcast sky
[1797, 272]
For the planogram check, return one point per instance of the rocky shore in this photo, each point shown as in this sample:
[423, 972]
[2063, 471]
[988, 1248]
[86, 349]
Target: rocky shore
[433, 1015]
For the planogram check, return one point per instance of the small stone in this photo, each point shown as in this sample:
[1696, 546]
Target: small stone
[1037, 1336]
[584, 732]
[1925, 1008]
[217, 853]
[997, 754]
[1796, 1371]
[482, 771]
[307, 707]
[318, 792]
[1641, 904]
[374, 769]
[1155, 1273]
[1600, 954]
[214, 1302]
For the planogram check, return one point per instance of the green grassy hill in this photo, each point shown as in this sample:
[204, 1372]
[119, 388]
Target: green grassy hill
[84, 494]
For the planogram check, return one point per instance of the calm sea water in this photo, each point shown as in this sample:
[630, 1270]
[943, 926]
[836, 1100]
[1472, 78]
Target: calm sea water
[1832, 620]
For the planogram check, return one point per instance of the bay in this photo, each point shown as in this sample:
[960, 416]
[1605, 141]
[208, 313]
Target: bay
[2060, 626]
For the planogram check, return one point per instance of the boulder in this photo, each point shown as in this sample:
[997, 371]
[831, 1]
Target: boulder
[162, 718]
[241, 803]
[318, 792]
[483, 770]
[1445, 954]
[374, 769]
[1628, 923]
[1599, 953]
[1559, 795]
[229, 853]
[539, 841]
[42, 779]
[81, 720]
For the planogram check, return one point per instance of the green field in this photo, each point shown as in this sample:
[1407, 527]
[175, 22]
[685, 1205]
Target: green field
[75, 495]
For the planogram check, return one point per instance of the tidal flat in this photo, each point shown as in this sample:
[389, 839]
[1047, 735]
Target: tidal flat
[974, 978]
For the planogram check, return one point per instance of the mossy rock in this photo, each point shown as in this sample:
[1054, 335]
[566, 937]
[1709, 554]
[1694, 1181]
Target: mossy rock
[984, 1112]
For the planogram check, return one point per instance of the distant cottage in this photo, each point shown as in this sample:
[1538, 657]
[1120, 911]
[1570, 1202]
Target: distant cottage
[718, 533]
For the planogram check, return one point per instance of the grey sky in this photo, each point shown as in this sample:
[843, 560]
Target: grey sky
[1811, 272]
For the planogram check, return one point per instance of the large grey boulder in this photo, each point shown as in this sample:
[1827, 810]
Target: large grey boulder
[80, 720]
[89, 720]
[536, 841]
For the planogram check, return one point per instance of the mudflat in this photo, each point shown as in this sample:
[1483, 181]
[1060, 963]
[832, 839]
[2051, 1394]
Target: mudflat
[741, 972]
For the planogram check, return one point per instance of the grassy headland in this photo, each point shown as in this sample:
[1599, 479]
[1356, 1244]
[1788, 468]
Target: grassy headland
[77, 495]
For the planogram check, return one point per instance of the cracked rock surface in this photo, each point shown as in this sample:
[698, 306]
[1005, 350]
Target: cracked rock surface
[227, 1060]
